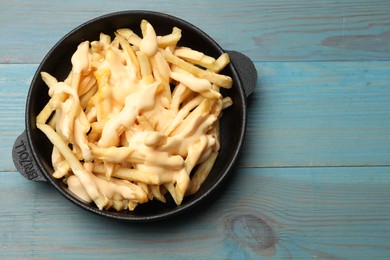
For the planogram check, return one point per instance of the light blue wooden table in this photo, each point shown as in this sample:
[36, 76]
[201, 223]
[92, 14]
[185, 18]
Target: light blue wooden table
[313, 180]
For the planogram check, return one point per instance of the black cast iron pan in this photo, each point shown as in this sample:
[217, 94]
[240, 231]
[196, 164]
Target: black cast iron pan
[32, 150]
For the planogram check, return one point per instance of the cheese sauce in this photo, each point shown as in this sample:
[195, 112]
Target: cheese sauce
[80, 59]
[149, 42]
[129, 97]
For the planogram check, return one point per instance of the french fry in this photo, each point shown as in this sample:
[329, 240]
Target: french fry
[145, 188]
[101, 102]
[131, 58]
[45, 113]
[146, 71]
[182, 114]
[201, 174]
[198, 58]
[86, 83]
[157, 194]
[195, 151]
[195, 57]
[108, 169]
[117, 154]
[130, 36]
[115, 43]
[84, 99]
[104, 39]
[132, 205]
[160, 66]
[226, 102]
[49, 79]
[172, 191]
[221, 80]
[119, 205]
[61, 170]
[200, 113]
[84, 176]
[179, 95]
[221, 62]
[182, 184]
[52, 121]
[169, 40]
[202, 86]
[131, 175]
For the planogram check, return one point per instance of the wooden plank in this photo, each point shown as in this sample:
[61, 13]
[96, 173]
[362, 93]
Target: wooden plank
[271, 30]
[319, 114]
[301, 114]
[286, 213]
[14, 84]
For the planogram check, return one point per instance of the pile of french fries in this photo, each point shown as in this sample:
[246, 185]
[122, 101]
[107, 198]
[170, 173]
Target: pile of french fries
[136, 118]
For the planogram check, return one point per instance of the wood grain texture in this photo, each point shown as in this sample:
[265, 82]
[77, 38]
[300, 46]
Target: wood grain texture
[14, 84]
[301, 114]
[337, 213]
[265, 30]
[313, 176]
[319, 114]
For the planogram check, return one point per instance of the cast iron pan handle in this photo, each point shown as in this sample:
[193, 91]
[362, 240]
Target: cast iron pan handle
[246, 71]
[24, 160]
